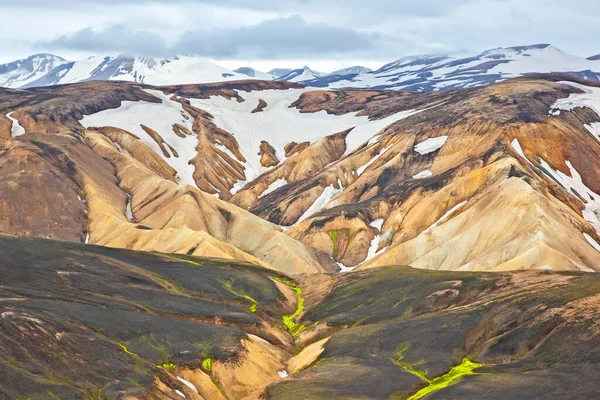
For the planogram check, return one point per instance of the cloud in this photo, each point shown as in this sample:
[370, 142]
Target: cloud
[276, 38]
[271, 39]
[115, 38]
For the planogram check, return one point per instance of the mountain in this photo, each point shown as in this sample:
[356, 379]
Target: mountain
[300, 75]
[252, 239]
[412, 73]
[278, 72]
[352, 70]
[180, 69]
[22, 72]
[252, 73]
[326, 180]
[439, 72]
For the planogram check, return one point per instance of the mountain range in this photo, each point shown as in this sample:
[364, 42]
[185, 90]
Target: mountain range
[413, 73]
[172, 229]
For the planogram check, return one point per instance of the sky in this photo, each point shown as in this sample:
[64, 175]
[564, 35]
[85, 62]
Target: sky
[324, 34]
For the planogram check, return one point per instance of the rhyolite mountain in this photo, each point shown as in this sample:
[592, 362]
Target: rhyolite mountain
[491, 178]
[251, 239]
[414, 73]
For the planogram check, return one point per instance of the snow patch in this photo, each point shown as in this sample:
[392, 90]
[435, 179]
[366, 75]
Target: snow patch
[279, 124]
[188, 384]
[128, 212]
[544, 267]
[575, 186]
[325, 197]
[282, 374]
[430, 145]
[517, 146]
[423, 174]
[362, 169]
[591, 241]
[274, 186]
[179, 393]
[344, 268]
[16, 128]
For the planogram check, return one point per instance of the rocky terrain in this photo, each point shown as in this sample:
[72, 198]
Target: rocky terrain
[88, 322]
[161, 242]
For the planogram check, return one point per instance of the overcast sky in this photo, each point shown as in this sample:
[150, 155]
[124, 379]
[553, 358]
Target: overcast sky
[325, 34]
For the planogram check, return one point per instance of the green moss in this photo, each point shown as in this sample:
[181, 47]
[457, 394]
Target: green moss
[127, 351]
[351, 236]
[167, 366]
[228, 285]
[333, 237]
[466, 367]
[288, 320]
[207, 364]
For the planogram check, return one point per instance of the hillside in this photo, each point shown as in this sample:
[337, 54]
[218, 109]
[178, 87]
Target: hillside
[88, 322]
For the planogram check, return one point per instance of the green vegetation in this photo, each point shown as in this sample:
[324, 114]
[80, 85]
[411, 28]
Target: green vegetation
[207, 364]
[466, 367]
[127, 351]
[288, 320]
[167, 366]
[333, 237]
[228, 285]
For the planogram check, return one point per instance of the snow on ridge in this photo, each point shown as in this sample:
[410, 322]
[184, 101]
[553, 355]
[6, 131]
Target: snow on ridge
[517, 146]
[591, 241]
[279, 124]
[445, 216]
[159, 117]
[16, 128]
[575, 186]
[362, 169]
[188, 384]
[325, 197]
[274, 186]
[430, 145]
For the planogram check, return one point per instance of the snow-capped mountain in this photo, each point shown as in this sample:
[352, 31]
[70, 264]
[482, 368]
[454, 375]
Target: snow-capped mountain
[302, 74]
[437, 72]
[154, 71]
[253, 73]
[412, 73]
[22, 72]
[357, 69]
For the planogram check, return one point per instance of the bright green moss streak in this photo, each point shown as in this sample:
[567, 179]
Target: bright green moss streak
[466, 367]
[333, 237]
[127, 351]
[288, 320]
[167, 366]
[228, 285]
[351, 237]
[207, 364]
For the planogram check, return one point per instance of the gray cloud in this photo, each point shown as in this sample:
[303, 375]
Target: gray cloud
[276, 38]
[115, 38]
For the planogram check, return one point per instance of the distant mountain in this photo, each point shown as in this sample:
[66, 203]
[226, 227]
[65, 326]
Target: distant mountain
[357, 69]
[253, 73]
[22, 72]
[419, 73]
[302, 74]
[278, 72]
[437, 72]
[155, 71]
